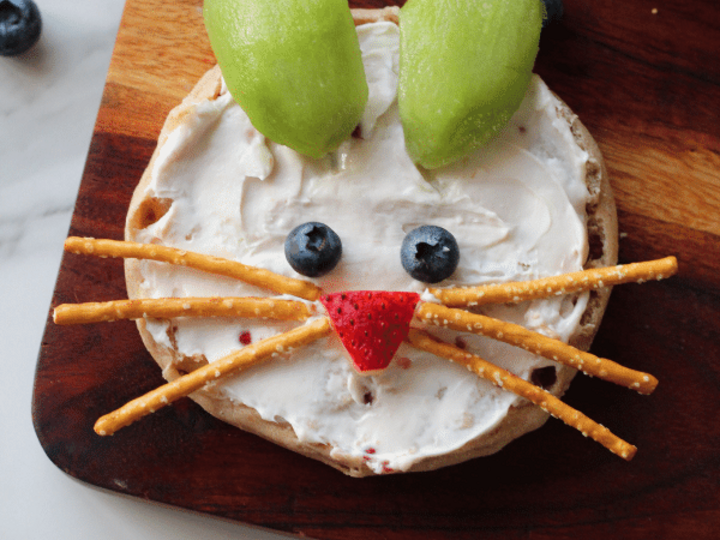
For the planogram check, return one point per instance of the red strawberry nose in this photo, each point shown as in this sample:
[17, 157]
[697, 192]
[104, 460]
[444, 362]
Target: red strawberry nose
[371, 324]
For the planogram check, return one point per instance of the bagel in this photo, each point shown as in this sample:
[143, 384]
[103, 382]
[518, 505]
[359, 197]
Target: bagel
[535, 202]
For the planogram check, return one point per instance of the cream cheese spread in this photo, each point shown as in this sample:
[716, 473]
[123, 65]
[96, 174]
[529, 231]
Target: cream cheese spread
[516, 208]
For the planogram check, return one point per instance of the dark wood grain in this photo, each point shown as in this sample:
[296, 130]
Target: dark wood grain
[647, 85]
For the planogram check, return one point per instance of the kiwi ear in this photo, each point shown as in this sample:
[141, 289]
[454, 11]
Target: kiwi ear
[465, 67]
[307, 90]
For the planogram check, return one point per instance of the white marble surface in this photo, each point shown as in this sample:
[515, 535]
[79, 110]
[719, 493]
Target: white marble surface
[49, 98]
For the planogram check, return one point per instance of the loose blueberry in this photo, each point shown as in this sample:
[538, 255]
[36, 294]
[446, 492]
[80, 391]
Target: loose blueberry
[20, 26]
[429, 254]
[553, 11]
[313, 249]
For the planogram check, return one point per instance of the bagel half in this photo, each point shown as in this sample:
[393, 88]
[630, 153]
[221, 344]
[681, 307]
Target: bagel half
[148, 208]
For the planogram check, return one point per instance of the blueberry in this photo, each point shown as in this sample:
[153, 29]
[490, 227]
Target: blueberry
[429, 254]
[20, 26]
[553, 11]
[313, 249]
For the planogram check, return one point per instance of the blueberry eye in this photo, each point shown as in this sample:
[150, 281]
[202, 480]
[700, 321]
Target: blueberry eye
[313, 249]
[429, 254]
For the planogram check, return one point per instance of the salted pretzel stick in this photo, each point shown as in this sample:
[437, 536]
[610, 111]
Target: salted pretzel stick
[552, 349]
[195, 380]
[520, 387]
[207, 263]
[168, 308]
[584, 280]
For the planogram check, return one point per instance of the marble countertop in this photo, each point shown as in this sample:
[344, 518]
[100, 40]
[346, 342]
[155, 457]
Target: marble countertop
[49, 98]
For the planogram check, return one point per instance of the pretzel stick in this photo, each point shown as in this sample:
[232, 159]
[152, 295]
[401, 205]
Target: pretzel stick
[552, 349]
[168, 308]
[585, 280]
[207, 263]
[520, 387]
[195, 380]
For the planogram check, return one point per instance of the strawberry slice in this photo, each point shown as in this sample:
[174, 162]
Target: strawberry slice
[371, 324]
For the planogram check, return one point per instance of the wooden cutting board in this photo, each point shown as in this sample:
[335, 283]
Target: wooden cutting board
[645, 78]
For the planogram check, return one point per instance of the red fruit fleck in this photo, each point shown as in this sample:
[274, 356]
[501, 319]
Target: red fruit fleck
[460, 343]
[404, 362]
[371, 324]
[245, 337]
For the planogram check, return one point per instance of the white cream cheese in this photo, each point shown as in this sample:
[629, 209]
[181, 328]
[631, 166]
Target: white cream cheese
[516, 208]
